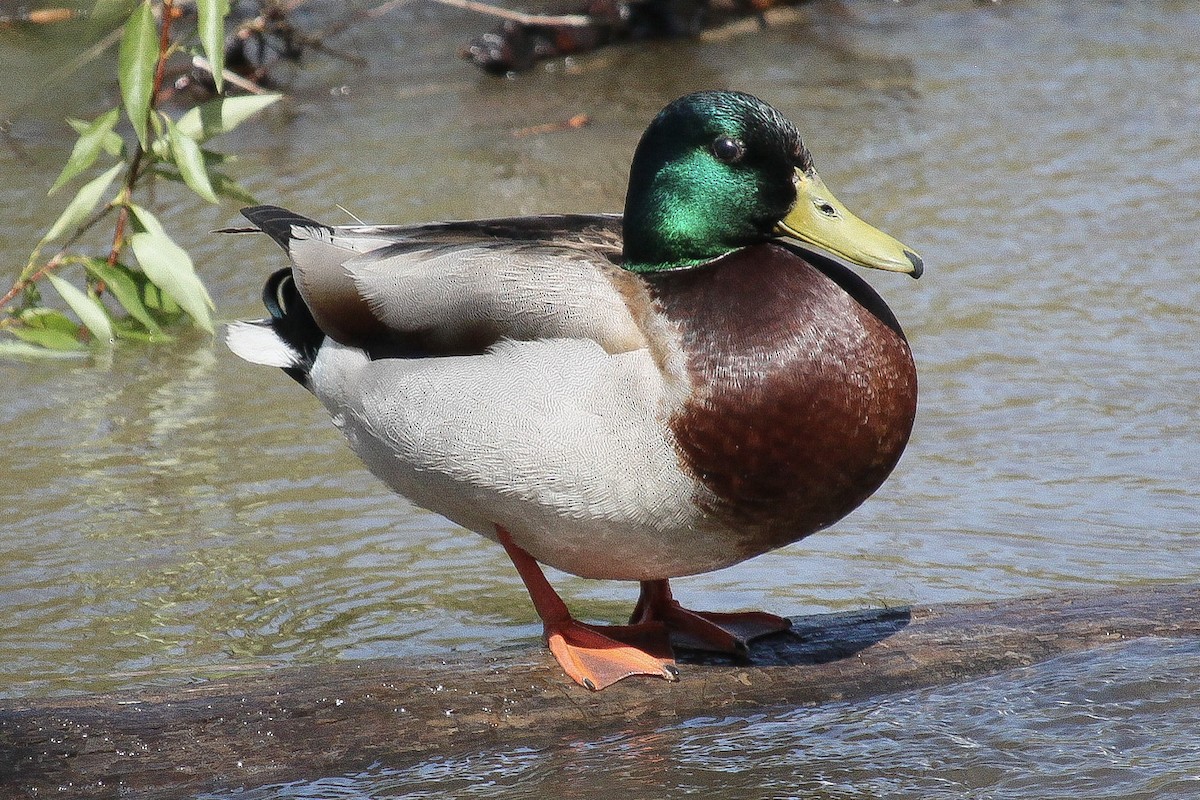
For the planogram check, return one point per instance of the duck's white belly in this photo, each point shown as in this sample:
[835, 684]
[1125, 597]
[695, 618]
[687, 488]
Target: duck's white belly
[561, 443]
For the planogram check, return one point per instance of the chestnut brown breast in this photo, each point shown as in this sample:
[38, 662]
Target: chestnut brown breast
[804, 394]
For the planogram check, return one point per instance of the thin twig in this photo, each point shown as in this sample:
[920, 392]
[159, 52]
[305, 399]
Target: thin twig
[573, 20]
[359, 16]
[317, 41]
[200, 62]
[383, 8]
[771, 17]
[574, 123]
[55, 260]
[40, 16]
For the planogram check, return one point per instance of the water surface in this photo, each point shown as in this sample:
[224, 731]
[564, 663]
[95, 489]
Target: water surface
[175, 513]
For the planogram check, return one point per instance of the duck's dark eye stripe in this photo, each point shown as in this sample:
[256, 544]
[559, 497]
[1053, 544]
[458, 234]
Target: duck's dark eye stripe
[728, 149]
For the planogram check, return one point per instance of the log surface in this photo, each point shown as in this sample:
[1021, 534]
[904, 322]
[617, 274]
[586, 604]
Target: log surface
[292, 723]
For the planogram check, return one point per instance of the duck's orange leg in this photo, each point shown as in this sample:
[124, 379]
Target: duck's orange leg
[703, 630]
[593, 656]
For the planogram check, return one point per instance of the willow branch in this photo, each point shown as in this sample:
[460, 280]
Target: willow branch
[139, 154]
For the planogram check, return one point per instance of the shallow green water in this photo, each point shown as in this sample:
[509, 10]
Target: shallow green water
[176, 513]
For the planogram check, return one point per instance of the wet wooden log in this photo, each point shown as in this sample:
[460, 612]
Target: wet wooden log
[293, 723]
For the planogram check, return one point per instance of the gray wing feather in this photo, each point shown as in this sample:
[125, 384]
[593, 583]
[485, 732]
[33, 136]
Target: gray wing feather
[460, 287]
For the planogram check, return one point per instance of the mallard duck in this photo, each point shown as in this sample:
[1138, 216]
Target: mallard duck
[636, 397]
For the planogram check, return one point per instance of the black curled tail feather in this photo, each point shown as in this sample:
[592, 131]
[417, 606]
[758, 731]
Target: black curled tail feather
[292, 321]
[290, 339]
[291, 318]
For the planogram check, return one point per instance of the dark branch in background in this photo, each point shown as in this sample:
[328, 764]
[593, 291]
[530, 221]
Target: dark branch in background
[270, 37]
[522, 40]
[265, 39]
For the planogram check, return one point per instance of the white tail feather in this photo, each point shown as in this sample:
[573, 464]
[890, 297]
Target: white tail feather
[256, 342]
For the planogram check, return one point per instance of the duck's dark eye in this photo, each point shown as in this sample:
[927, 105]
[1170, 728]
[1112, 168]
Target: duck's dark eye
[728, 149]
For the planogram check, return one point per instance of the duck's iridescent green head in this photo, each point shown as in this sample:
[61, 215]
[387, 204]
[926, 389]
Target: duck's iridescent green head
[717, 171]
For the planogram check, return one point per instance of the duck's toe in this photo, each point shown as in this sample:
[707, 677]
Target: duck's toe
[715, 631]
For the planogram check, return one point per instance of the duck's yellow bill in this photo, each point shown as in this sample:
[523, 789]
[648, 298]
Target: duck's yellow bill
[819, 219]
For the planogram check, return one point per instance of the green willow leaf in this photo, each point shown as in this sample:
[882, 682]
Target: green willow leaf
[170, 268]
[122, 285]
[112, 143]
[147, 221]
[161, 302]
[130, 331]
[27, 349]
[211, 26]
[160, 148]
[89, 311]
[222, 115]
[91, 141]
[108, 14]
[47, 327]
[136, 62]
[190, 161]
[82, 204]
[230, 189]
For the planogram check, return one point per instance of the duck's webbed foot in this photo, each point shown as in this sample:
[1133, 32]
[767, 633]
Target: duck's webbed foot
[721, 632]
[594, 656]
[598, 656]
